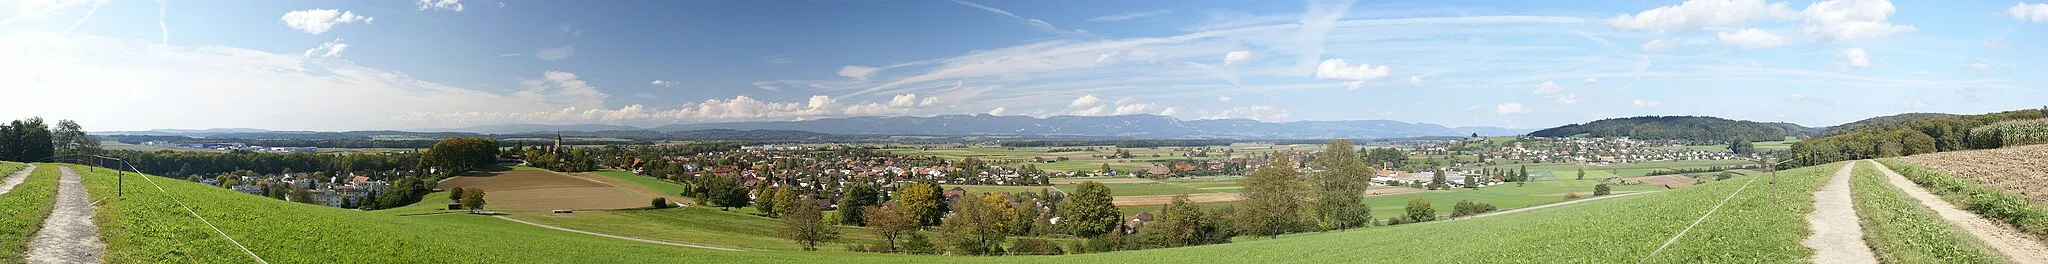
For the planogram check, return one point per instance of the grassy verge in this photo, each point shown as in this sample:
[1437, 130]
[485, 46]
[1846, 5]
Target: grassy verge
[1988, 202]
[22, 210]
[1901, 230]
[692, 225]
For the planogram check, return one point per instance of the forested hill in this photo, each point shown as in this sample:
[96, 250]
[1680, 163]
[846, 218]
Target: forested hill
[1882, 121]
[1698, 128]
[1916, 136]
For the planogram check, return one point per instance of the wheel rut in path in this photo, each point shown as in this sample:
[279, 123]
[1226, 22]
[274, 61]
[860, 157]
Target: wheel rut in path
[16, 178]
[2019, 247]
[68, 235]
[1837, 233]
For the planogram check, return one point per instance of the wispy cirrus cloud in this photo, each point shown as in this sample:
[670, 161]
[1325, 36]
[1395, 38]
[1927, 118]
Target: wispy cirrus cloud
[1129, 16]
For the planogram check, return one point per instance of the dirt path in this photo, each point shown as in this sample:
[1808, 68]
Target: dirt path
[616, 237]
[1837, 235]
[68, 235]
[15, 179]
[2019, 247]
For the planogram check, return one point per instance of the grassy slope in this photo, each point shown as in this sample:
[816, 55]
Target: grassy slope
[147, 228]
[1901, 230]
[649, 182]
[22, 210]
[694, 225]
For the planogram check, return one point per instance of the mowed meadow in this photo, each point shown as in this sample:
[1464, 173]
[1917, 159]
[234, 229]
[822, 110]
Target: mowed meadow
[146, 225]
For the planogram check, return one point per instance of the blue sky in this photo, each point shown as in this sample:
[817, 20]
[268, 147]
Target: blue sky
[347, 65]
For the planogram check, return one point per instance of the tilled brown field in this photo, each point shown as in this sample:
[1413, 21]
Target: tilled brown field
[2017, 170]
[543, 190]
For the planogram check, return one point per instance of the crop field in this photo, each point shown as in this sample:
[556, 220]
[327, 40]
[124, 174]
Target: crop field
[147, 227]
[691, 225]
[545, 190]
[22, 210]
[2016, 170]
[644, 185]
[1991, 202]
[1153, 188]
[1505, 196]
[1901, 230]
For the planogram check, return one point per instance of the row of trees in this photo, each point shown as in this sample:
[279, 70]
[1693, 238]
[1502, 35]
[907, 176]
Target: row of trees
[31, 140]
[454, 156]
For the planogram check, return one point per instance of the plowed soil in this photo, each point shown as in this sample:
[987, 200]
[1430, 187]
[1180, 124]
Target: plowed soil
[2017, 170]
[544, 190]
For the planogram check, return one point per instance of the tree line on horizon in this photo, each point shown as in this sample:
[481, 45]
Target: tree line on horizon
[33, 140]
[1906, 137]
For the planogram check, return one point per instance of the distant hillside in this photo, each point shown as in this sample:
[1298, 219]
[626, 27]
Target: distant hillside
[1128, 126]
[523, 128]
[1697, 128]
[1883, 120]
[1893, 138]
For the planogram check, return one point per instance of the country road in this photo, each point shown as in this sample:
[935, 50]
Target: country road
[68, 235]
[2020, 247]
[1837, 233]
[16, 178]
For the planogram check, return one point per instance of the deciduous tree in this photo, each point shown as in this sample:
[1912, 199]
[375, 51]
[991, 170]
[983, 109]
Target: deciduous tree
[1340, 187]
[923, 202]
[1091, 211]
[1272, 201]
[889, 223]
[805, 224]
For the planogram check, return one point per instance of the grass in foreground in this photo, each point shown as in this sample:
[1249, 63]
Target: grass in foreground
[1901, 230]
[22, 210]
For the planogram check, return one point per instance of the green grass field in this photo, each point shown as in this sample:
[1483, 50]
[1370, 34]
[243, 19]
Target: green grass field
[1566, 171]
[1156, 188]
[22, 210]
[147, 227]
[1901, 230]
[650, 182]
[691, 225]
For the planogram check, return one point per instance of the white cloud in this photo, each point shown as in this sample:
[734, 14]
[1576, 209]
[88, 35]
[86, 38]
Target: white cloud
[1257, 112]
[1994, 44]
[317, 21]
[563, 89]
[1170, 111]
[1694, 14]
[327, 50]
[1660, 45]
[1415, 80]
[1084, 101]
[2036, 13]
[857, 72]
[909, 100]
[1566, 99]
[1132, 109]
[1591, 80]
[1981, 67]
[1223, 99]
[450, 5]
[1091, 111]
[1510, 108]
[1837, 20]
[1235, 57]
[1128, 16]
[554, 53]
[1547, 87]
[998, 111]
[1336, 69]
[767, 85]
[1752, 38]
[1854, 57]
[1041, 25]
[663, 83]
[1640, 103]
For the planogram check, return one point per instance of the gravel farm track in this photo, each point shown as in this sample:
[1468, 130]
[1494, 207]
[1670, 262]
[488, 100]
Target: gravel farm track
[546, 190]
[2016, 170]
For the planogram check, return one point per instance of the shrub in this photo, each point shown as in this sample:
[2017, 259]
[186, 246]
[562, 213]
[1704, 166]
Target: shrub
[1602, 189]
[1571, 196]
[1467, 208]
[1419, 210]
[660, 203]
[1723, 176]
[1034, 246]
[917, 243]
